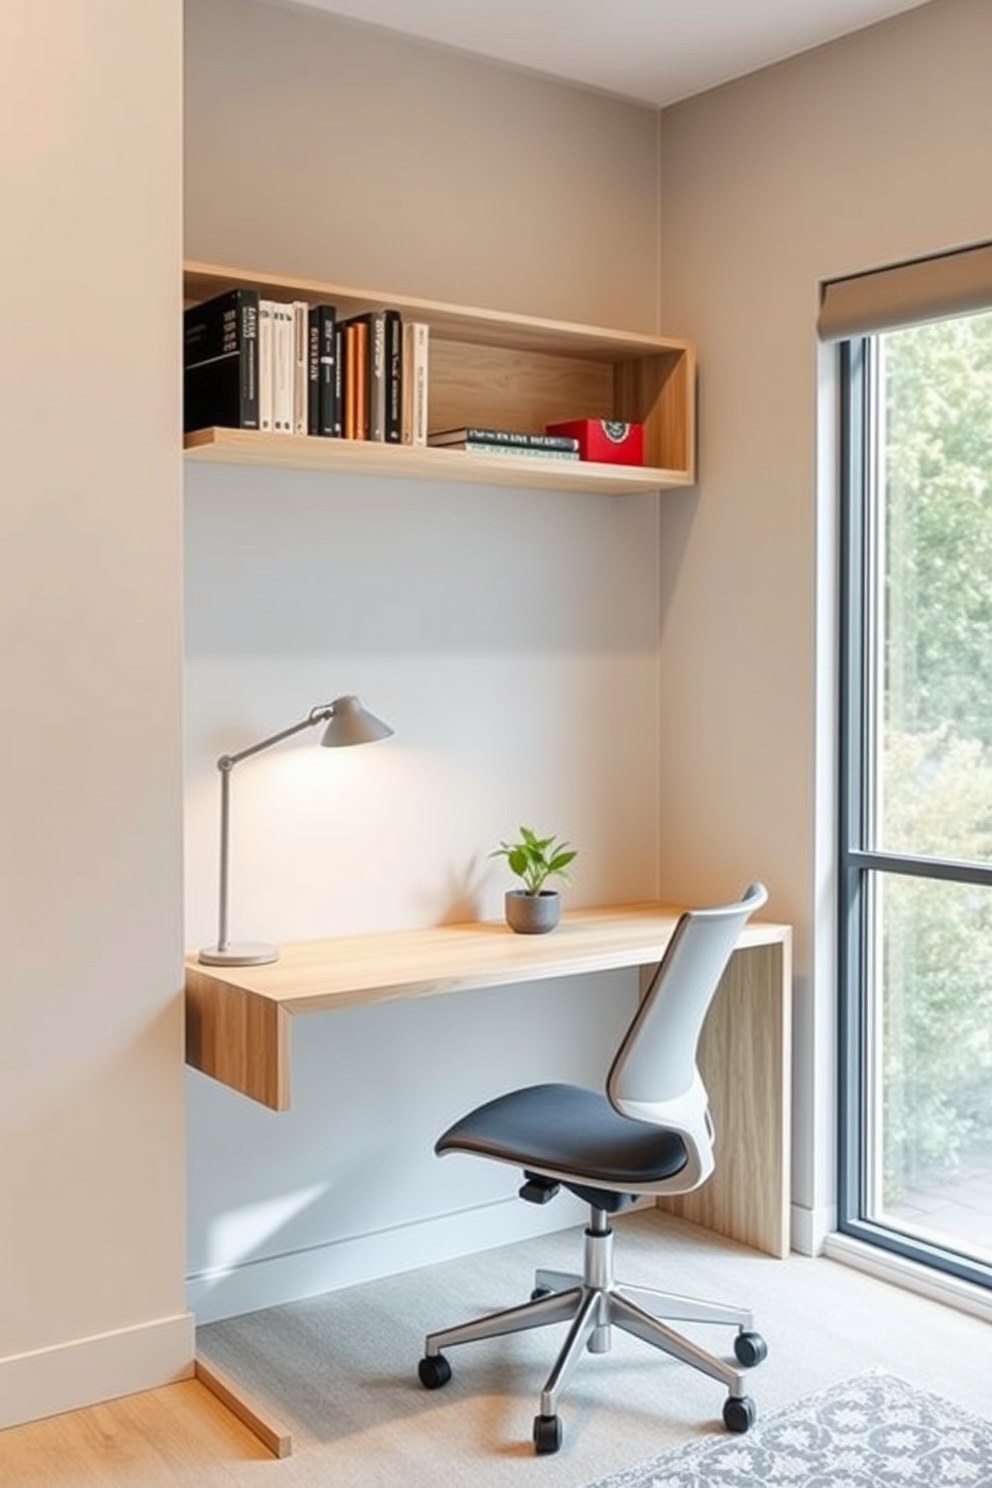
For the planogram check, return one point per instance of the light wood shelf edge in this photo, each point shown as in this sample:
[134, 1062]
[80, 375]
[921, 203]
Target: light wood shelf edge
[238, 1037]
[364, 457]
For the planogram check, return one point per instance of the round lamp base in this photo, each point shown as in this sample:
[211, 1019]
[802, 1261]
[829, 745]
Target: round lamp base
[240, 953]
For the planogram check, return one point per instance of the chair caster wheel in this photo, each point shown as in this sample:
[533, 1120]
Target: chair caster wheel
[750, 1349]
[547, 1434]
[434, 1371]
[739, 1413]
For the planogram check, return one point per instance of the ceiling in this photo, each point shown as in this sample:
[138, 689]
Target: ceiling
[652, 51]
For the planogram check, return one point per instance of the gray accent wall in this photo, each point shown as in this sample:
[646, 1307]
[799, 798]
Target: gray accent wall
[509, 636]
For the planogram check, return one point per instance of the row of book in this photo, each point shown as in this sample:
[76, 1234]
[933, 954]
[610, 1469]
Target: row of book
[295, 368]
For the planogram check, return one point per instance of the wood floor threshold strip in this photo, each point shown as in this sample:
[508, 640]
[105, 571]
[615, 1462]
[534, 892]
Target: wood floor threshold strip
[270, 1432]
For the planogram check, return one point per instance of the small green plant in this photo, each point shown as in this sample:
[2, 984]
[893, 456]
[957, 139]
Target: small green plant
[535, 859]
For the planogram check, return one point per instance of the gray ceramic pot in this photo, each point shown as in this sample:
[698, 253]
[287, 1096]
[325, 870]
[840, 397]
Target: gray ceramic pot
[532, 914]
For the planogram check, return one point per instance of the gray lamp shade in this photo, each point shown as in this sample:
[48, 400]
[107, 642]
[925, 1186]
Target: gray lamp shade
[350, 723]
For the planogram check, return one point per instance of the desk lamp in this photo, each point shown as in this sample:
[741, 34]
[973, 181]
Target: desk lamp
[347, 723]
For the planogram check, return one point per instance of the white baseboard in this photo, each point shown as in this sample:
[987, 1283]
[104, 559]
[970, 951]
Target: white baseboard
[809, 1228]
[85, 1371]
[271, 1281]
[914, 1277]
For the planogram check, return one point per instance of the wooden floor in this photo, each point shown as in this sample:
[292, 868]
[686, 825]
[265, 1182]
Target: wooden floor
[177, 1435]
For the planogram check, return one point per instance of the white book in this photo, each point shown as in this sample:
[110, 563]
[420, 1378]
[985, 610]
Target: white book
[282, 380]
[266, 310]
[415, 355]
[301, 319]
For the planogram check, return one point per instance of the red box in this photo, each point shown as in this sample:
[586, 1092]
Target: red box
[604, 440]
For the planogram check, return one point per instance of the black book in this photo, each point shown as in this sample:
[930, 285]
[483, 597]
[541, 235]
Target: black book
[220, 362]
[322, 378]
[521, 440]
[339, 376]
[393, 433]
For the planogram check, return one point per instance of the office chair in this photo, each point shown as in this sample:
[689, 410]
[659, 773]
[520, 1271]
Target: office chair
[650, 1132]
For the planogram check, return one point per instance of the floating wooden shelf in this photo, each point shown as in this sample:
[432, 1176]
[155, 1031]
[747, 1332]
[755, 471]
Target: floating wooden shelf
[494, 370]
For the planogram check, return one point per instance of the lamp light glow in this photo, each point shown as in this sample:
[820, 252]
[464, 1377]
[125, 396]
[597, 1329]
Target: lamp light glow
[348, 722]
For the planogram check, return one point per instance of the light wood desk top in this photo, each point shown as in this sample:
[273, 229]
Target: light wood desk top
[234, 1012]
[239, 1019]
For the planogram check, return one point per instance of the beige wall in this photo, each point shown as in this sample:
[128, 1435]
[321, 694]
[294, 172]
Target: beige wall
[870, 150]
[91, 1115]
[320, 147]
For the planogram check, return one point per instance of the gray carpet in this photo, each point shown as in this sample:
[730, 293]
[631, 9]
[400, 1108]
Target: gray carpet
[340, 1370]
[867, 1432]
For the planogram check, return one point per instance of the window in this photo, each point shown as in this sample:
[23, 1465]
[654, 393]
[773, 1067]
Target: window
[916, 789]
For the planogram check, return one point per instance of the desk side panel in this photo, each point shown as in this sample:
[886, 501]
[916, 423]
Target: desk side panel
[238, 1037]
[745, 1061]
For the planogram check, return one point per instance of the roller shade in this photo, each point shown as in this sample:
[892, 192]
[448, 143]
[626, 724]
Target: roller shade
[904, 294]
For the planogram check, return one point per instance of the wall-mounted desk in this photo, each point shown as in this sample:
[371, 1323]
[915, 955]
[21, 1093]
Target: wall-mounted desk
[239, 1021]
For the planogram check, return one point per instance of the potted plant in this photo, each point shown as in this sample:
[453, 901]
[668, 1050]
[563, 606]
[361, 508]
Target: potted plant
[533, 910]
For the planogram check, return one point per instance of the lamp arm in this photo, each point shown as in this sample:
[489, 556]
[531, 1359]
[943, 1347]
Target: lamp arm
[225, 765]
[316, 715]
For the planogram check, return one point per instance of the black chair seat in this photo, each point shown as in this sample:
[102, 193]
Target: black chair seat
[571, 1131]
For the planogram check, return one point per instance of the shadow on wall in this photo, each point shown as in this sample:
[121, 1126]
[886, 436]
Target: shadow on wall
[354, 1157]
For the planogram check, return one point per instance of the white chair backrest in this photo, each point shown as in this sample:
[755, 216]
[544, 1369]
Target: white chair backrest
[654, 1076]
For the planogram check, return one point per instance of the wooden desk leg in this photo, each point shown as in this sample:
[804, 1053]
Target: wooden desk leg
[256, 1417]
[745, 1061]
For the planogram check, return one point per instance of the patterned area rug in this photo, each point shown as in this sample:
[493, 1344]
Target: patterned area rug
[869, 1432]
